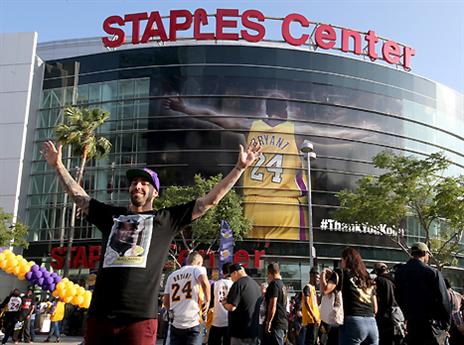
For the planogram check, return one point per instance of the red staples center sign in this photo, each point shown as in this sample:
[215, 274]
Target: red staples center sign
[231, 25]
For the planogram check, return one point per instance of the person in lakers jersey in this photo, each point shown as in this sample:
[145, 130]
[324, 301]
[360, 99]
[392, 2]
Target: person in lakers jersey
[187, 296]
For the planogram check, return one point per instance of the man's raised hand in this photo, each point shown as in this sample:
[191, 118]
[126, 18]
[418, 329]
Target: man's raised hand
[51, 154]
[248, 156]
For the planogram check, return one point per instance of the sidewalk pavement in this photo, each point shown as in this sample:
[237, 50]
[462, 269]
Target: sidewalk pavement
[39, 339]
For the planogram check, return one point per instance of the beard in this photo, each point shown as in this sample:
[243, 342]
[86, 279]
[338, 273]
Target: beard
[139, 200]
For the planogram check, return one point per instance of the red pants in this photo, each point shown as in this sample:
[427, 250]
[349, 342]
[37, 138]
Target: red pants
[120, 331]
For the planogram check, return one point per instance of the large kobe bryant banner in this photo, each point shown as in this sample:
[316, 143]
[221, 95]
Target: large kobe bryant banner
[199, 113]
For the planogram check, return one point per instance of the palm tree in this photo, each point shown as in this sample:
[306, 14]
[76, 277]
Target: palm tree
[78, 130]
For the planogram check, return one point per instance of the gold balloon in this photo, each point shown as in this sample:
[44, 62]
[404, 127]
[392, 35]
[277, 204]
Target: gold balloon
[12, 262]
[2, 256]
[3, 264]
[17, 270]
[68, 299]
[9, 269]
[60, 286]
[56, 293]
[63, 293]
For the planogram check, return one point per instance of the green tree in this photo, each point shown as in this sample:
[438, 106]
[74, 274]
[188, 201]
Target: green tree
[79, 131]
[206, 230]
[12, 233]
[410, 187]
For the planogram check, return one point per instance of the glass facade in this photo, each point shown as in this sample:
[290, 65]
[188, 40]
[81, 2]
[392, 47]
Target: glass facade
[184, 110]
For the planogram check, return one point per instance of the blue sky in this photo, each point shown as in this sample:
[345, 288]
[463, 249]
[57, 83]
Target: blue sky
[434, 28]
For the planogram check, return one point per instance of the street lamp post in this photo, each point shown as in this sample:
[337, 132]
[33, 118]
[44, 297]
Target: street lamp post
[308, 149]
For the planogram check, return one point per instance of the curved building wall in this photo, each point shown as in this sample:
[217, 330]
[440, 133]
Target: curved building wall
[184, 110]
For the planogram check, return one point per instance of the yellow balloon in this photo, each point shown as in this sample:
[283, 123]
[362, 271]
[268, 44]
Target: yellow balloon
[24, 269]
[65, 280]
[10, 255]
[60, 286]
[72, 291]
[69, 284]
[56, 293]
[31, 263]
[9, 269]
[17, 270]
[12, 262]
[68, 299]
[21, 277]
[3, 264]
[77, 300]
[63, 293]
[7, 251]
[2, 256]
[80, 290]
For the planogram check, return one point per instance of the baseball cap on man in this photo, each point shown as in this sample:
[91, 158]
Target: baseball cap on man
[148, 174]
[420, 247]
[234, 267]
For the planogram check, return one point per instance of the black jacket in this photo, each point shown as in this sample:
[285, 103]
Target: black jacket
[421, 292]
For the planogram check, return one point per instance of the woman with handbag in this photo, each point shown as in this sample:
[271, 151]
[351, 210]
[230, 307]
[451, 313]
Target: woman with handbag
[358, 295]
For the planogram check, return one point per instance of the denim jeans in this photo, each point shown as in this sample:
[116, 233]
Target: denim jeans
[188, 336]
[55, 328]
[358, 330]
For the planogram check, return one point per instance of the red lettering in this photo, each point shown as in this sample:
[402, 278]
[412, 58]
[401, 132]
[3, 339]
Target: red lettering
[73, 251]
[260, 29]
[135, 18]
[80, 259]
[242, 257]
[391, 52]
[346, 34]
[258, 255]
[372, 39]
[200, 17]
[174, 26]
[408, 52]
[325, 36]
[117, 32]
[221, 24]
[94, 255]
[182, 255]
[57, 254]
[294, 17]
[149, 32]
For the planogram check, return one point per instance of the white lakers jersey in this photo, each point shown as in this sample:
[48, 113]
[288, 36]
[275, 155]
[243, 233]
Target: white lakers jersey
[186, 296]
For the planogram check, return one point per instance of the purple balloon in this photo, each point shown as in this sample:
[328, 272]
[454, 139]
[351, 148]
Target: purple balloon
[49, 280]
[43, 269]
[35, 268]
[38, 274]
[28, 276]
[52, 287]
[54, 275]
[57, 279]
[46, 274]
[40, 281]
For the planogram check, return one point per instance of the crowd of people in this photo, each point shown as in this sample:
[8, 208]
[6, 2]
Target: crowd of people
[22, 314]
[411, 304]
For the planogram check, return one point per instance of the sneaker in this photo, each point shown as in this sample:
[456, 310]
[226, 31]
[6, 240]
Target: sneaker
[57, 340]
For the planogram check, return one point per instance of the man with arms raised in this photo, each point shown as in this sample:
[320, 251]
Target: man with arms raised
[122, 309]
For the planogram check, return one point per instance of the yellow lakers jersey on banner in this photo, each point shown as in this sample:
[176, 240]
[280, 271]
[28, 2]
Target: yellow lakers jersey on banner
[274, 173]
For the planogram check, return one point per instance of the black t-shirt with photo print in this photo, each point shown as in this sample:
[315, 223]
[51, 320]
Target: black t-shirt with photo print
[128, 280]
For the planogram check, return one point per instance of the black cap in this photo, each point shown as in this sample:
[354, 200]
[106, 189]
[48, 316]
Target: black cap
[235, 267]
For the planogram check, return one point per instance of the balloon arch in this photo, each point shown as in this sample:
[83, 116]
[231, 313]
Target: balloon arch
[63, 288]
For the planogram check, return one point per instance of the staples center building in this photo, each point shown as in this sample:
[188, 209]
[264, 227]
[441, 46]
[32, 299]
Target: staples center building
[183, 94]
